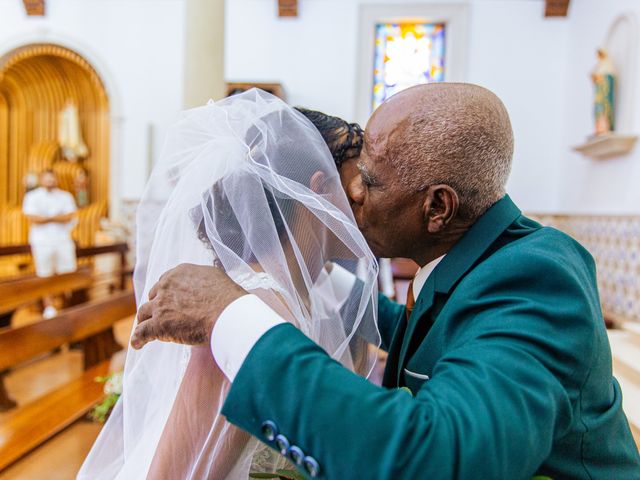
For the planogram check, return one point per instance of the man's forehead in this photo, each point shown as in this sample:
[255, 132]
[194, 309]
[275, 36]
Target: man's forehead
[381, 133]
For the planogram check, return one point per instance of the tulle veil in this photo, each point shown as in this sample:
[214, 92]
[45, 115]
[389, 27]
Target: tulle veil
[246, 183]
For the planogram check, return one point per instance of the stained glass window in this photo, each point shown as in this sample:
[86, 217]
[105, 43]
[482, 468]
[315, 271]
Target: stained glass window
[406, 54]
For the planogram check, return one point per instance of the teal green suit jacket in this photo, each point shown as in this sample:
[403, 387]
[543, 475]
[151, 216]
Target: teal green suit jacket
[507, 359]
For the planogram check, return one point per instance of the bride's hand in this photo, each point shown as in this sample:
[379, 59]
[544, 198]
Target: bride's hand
[184, 305]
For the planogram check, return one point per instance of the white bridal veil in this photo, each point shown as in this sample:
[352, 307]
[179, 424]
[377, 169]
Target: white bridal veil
[248, 184]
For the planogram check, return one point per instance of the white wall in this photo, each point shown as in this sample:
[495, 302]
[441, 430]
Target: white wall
[513, 50]
[520, 55]
[592, 186]
[137, 46]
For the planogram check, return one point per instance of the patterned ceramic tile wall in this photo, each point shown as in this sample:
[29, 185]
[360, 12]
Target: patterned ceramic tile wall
[614, 242]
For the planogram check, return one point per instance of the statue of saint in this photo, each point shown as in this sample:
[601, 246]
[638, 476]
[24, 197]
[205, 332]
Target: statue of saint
[69, 134]
[604, 80]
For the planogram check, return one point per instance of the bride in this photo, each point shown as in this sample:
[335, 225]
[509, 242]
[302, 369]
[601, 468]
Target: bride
[251, 185]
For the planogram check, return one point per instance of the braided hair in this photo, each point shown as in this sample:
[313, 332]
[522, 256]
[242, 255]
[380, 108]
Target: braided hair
[343, 139]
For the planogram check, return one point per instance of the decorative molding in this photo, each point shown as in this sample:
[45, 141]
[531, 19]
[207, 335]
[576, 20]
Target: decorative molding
[34, 8]
[287, 8]
[556, 8]
[607, 146]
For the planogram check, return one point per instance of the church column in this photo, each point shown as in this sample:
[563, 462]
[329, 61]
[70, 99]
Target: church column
[204, 52]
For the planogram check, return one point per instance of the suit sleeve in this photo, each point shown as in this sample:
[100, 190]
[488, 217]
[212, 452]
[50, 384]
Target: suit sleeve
[497, 397]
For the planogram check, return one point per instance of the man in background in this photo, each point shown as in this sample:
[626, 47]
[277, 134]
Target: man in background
[51, 212]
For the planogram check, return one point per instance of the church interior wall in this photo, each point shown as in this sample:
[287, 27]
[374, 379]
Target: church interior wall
[512, 49]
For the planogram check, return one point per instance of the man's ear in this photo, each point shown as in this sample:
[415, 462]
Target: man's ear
[440, 207]
[317, 182]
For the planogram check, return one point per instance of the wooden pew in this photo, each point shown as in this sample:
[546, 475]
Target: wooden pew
[31, 288]
[28, 426]
[20, 291]
[75, 324]
[83, 252]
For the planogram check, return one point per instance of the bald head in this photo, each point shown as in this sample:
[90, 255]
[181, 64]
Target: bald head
[448, 133]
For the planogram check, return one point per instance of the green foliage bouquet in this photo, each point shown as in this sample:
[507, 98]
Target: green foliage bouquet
[112, 392]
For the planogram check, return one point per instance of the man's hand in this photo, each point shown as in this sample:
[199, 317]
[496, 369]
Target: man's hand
[184, 305]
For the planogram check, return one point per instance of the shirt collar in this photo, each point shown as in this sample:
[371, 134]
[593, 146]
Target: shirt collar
[423, 274]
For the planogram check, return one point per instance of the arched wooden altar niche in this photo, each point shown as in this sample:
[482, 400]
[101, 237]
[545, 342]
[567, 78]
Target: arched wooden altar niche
[35, 83]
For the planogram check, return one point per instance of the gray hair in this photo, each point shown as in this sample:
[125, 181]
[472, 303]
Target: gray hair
[460, 136]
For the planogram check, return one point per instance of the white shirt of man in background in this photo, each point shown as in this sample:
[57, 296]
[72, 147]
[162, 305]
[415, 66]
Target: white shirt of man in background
[51, 212]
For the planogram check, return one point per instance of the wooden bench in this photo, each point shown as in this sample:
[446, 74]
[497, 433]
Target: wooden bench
[30, 426]
[20, 291]
[90, 324]
[83, 252]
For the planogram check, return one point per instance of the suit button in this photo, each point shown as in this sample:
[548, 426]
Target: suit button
[282, 444]
[270, 430]
[296, 454]
[312, 466]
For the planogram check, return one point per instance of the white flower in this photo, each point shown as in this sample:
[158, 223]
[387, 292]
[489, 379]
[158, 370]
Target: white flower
[114, 384]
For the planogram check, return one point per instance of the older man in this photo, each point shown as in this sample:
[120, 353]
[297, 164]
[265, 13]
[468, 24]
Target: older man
[504, 349]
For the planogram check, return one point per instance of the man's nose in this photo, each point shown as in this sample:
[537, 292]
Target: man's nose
[355, 190]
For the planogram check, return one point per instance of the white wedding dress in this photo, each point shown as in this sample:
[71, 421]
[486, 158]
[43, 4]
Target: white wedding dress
[247, 184]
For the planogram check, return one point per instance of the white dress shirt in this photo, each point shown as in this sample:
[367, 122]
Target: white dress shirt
[49, 203]
[423, 274]
[248, 318]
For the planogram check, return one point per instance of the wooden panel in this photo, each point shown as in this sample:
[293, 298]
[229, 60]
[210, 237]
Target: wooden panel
[24, 429]
[4, 141]
[403, 268]
[84, 233]
[81, 252]
[556, 8]
[12, 255]
[272, 88]
[288, 8]
[21, 291]
[20, 344]
[34, 8]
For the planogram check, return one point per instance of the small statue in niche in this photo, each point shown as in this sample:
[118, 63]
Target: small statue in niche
[604, 80]
[81, 188]
[70, 135]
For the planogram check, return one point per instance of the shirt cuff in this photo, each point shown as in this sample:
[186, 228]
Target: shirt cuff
[238, 329]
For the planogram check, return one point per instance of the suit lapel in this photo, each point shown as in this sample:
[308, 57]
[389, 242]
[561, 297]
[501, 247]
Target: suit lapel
[422, 306]
[458, 261]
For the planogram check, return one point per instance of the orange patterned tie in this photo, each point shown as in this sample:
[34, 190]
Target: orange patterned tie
[410, 300]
